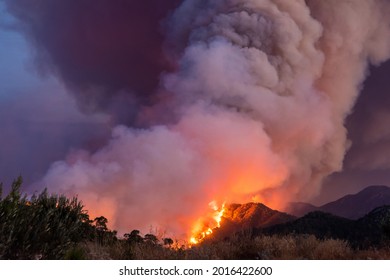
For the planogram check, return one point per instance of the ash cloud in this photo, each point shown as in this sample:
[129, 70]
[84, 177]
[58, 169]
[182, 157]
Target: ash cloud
[108, 53]
[261, 92]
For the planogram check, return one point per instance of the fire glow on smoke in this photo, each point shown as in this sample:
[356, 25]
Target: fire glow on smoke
[258, 101]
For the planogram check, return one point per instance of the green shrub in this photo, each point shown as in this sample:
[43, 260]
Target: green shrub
[44, 226]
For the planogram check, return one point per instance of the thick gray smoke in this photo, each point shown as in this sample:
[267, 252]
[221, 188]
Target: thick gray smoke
[262, 90]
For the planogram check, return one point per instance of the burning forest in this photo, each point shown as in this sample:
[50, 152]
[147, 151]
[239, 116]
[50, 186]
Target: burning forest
[209, 102]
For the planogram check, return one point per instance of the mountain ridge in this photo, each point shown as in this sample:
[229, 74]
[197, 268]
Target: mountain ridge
[351, 206]
[330, 221]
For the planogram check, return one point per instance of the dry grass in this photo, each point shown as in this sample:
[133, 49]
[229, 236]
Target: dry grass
[273, 248]
[301, 247]
[291, 247]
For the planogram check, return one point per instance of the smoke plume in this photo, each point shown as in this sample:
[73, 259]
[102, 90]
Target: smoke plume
[260, 92]
[109, 53]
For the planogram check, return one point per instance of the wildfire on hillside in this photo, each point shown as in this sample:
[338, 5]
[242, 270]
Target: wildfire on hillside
[231, 218]
[205, 227]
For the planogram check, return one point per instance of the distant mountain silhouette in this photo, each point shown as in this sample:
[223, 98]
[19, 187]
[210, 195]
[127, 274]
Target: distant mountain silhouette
[322, 225]
[369, 231]
[353, 206]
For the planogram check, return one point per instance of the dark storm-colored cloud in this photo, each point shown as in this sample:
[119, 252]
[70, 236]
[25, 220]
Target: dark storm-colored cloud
[368, 126]
[108, 52]
[41, 126]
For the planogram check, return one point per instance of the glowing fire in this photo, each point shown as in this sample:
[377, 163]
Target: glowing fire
[204, 228]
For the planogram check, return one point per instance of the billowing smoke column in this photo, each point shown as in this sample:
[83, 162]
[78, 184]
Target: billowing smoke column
[259, 98]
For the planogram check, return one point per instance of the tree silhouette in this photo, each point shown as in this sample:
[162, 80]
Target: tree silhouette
[134, 237]
[101, 223]
[168, 242]
[151, 239]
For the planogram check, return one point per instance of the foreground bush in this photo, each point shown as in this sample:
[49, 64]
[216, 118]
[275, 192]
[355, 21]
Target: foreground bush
[43, 226]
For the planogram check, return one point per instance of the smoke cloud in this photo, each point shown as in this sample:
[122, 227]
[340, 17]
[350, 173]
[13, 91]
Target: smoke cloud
[260, 91]
[109, 53]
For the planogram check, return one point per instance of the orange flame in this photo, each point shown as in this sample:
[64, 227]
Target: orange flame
[204, 228]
